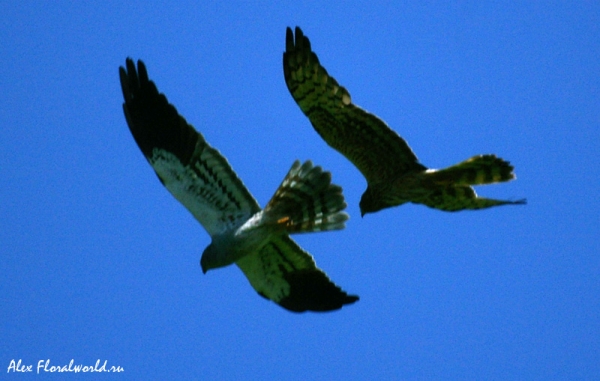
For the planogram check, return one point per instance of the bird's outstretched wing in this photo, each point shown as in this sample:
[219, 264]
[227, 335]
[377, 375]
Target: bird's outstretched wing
[364, 139]
[195, 173]
[286, 274]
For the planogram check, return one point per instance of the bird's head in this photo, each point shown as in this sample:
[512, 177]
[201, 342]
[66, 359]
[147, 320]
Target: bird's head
[209, 259]
[217, 254]
[204, 262]
[370, 202]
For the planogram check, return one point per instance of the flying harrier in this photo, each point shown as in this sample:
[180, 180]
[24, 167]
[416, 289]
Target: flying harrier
[256, 240]
[393, 173]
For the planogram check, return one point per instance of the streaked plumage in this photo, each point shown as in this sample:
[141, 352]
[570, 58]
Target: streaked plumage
[256, 240]
[393, 173]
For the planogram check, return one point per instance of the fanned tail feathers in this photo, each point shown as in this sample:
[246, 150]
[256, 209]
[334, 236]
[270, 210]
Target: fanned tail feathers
[306, 201]
[478, 170]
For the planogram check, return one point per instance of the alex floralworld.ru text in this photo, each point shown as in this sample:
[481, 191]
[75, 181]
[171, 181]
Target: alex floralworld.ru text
[45, 366]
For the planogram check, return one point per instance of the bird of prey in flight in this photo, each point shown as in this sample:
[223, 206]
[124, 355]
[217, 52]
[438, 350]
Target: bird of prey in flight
[256, 240]
[393, 173]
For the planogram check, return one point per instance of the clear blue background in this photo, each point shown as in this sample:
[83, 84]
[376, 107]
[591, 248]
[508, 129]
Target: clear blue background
[99, 261]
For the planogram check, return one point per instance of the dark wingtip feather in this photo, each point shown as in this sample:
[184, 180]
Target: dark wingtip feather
[152, 120]
[312, 290]
[289, 39]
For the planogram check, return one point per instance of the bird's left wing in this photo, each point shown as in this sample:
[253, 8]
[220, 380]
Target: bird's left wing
[284, 273]
[195, 173]
[375, 149]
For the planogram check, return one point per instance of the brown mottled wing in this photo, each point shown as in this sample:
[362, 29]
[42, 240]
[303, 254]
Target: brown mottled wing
[361, 137]
[195, 173]
[288, 275]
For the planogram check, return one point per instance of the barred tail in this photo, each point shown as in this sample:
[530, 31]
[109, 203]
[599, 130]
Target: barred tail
[306, 201]
[478, 170]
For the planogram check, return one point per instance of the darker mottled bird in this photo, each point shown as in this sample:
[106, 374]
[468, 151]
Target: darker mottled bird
[393, 173]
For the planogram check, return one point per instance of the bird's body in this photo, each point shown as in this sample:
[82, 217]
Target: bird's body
[393, 173]
[296, 207]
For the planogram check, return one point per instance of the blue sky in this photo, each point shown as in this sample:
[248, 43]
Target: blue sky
[99, 261]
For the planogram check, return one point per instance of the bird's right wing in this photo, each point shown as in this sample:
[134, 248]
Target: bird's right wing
[195, 173]
[284, 273]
